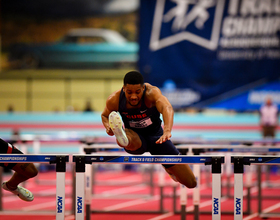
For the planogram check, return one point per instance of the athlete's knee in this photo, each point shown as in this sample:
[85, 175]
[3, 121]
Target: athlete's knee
[183, 175]
[133, 146]
[192, 183]
[189, 182]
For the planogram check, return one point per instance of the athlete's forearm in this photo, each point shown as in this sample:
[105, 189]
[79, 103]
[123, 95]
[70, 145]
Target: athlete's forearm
[106, 124]
[105, 121]
[167, 116]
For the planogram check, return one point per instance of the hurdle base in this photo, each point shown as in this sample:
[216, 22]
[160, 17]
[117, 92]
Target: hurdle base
[88, 211]
[183, 212]
[196, 212]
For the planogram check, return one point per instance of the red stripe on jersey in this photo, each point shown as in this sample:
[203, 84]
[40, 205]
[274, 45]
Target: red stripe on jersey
[9, 151]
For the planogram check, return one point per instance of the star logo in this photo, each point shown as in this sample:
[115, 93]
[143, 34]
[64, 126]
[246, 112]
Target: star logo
[181, 17]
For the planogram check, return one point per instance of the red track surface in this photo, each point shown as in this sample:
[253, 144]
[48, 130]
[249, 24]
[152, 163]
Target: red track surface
[113, 198]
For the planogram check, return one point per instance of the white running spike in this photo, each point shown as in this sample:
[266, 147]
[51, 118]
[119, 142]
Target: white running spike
[116, 125]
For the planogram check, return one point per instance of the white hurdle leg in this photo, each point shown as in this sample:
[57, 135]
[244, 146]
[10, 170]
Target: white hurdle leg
[216, 188]
[80, 196]
[60, 187]
[216, 196]
[36, 150]
[238, 196]
[80, 189]
[196, 191]
[238, 188]
[60, 195]
[161, 182]
[183, 200]
[88, 189]
[228, 167]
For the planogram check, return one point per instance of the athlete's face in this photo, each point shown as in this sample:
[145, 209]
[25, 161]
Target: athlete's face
[133, 93]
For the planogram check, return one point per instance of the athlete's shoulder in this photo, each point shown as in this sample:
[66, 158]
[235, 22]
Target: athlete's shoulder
[152, 94]
[113, 99]
[152, 90]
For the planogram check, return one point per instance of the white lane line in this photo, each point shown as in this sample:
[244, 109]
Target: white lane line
[70, 217]
[166, 215]
[251, 216]
[271, 208]
[44, 205]
[119, 191]
[267, 210]
[129, 203]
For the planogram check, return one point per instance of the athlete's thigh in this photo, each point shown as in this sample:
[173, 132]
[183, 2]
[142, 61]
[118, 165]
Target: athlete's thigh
[25, 169]
[183, 174]
[138, 142]
[166, 148]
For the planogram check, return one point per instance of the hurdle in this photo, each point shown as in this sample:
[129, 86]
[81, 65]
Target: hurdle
[90, 148]
[239, 162]
[227, 149]
[82, 160]
[59, 160]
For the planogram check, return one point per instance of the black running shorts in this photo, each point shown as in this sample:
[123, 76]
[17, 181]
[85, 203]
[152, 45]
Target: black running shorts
[7, 148]
[149, 145]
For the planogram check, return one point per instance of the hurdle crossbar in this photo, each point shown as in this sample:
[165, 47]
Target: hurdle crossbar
[127, 159]
[196, 149]
[82, 160]
[239, 162]
[59, 160]
[248, 142]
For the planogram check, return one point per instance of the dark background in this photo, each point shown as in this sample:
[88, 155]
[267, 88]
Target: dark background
[32, 21]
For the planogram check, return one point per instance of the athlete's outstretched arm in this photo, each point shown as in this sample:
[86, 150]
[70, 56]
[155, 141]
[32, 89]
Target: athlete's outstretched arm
[111, 105]
[105, 121]
[166, 109]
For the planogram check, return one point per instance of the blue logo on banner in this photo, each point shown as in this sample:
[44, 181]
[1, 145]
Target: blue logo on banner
[216, 206]
[79, 204]
[59, 204]
[238, 206]
[126, 159]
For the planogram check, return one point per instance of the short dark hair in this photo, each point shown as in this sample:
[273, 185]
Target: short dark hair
[133, 77]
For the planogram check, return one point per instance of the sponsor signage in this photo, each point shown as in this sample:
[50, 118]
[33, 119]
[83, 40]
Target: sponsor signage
[252, 99]
[208, 47]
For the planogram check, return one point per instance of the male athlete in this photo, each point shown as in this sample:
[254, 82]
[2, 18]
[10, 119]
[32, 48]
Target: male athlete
[23, 171]
[140, 105]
